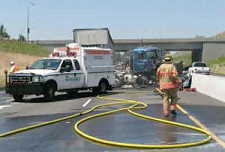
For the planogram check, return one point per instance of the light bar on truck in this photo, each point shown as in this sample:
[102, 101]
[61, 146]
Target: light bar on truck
[64, 52]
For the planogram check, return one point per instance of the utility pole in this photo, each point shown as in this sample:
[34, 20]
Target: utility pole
[142, 42]
[28, 23]
[28, 20]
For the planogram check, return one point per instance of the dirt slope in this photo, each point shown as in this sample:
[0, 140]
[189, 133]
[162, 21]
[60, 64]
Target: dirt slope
[21, 60]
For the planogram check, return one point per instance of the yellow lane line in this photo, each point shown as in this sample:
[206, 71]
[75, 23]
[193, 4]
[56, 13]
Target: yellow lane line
[197, 122]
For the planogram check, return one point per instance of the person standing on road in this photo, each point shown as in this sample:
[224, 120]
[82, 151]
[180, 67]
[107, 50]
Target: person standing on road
[13, 67]
[169, 83]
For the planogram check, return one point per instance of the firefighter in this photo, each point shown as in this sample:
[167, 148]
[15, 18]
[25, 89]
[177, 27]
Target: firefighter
[13, 67]
[169, 84]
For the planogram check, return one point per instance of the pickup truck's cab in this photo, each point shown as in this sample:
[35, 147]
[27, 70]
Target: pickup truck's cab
[196, 67]
[86, 68]
[199, 67]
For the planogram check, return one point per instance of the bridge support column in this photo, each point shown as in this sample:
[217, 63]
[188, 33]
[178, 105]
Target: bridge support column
[196, 55]
[212, 51]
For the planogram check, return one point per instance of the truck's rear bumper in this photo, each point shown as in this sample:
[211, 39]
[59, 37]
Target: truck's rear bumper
[33, 88]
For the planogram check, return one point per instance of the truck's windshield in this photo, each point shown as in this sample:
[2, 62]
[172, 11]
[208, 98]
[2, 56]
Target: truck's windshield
[150, 54]
[145, 55]
[199, 65]
[51, 64]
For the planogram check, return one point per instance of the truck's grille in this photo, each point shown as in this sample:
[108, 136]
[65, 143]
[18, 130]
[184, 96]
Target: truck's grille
[20, 79]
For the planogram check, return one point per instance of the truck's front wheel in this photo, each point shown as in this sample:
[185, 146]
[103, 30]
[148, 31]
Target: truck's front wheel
[49, 92]
[103, 87]
[18, 97]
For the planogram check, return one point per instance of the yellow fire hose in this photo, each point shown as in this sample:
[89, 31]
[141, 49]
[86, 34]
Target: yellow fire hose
[137, 105]
[133, 105]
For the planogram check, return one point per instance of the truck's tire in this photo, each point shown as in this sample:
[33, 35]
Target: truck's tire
[142, 81]
[103, 86]
[18, 97]
[50, 90]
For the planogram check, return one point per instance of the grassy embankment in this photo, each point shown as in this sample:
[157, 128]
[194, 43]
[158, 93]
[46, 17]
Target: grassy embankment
[21, 52]
[183, 56]
[23, 48]
[216, 65]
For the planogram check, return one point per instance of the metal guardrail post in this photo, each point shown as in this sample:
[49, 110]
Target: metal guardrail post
[6, 79]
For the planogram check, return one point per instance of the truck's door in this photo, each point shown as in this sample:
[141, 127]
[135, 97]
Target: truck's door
[66, 74]
[79, 78]
[71, 75]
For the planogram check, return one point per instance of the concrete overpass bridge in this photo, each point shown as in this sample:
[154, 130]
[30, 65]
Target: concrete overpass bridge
[203, 49]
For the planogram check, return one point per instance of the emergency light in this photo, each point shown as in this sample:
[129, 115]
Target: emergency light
[64, 52]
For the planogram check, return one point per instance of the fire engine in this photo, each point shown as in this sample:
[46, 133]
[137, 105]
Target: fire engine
[67, 69]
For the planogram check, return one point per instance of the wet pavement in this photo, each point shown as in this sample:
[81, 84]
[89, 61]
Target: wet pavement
[209, 111]
[121, 126]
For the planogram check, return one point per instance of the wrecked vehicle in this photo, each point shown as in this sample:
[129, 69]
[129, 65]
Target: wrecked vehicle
[140, 68]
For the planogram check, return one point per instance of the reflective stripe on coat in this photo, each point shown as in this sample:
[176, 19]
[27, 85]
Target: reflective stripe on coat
[167, 76]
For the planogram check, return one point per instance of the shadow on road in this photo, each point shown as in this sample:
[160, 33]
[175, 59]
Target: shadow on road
[64, 97]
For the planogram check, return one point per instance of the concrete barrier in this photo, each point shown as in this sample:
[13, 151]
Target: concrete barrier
[213, 86]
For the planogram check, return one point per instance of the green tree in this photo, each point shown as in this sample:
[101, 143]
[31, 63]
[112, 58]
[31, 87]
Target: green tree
[21, 38]
[3, 33]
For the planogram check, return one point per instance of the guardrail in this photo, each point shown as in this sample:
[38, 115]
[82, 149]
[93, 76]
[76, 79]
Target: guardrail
[211, 85]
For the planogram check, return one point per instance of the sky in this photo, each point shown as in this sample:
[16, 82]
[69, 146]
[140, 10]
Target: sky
[126, 19]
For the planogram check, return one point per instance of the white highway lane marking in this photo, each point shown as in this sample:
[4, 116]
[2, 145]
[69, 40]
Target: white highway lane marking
[5, 106]
[86, 103]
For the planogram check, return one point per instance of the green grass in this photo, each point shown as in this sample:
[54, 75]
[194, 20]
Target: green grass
[183, 56]
[23, 48]
[217, 65]
[220, 61]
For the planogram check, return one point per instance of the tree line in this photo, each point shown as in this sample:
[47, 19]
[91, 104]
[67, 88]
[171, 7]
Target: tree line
[5, 36]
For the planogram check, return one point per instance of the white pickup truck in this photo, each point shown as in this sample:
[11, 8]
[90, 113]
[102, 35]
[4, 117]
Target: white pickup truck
[199, 67]
[68, 69]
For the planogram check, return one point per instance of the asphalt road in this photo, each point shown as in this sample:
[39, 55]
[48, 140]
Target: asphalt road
[61, 137]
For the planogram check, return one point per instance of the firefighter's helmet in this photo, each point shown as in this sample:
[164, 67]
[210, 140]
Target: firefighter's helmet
[12, 62]
[168, 58]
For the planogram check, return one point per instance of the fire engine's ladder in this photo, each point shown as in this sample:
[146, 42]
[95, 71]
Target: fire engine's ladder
[131, 108]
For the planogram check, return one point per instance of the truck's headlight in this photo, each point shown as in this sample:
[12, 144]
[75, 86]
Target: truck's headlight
[135, 76]
[37, 78]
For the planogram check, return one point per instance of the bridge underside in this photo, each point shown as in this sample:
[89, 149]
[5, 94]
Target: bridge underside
[165, 44]
[196, 48]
